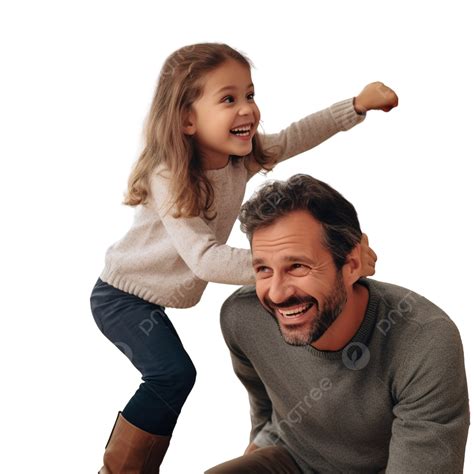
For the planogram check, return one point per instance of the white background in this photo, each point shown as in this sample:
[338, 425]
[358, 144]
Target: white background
[76, 83]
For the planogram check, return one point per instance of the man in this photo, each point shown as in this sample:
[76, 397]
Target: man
[343, 374]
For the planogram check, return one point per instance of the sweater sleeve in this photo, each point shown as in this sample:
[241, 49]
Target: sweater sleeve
[312, 130]
[260, 403]
[197, 245]
[431, 411]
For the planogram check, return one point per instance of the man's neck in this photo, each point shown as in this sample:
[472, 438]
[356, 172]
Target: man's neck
[343, 329]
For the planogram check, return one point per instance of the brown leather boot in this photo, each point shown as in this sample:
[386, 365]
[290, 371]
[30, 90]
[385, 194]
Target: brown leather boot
[130, 450]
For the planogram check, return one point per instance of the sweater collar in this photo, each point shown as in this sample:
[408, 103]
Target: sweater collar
[362, 337]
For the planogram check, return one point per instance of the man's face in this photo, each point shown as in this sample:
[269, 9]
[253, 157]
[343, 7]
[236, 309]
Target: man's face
[296, 279]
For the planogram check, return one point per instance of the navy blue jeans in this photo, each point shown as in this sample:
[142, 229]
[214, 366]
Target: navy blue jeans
[143, 332]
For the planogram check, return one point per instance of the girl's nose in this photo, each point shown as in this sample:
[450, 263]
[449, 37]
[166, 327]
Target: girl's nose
[245, 109]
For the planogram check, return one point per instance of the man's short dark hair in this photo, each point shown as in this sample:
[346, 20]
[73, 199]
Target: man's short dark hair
[303, 192]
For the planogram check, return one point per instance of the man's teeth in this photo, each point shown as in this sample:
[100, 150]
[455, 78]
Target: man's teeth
[296, 311]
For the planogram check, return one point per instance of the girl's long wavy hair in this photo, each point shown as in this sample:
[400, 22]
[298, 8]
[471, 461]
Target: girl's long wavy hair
[179, 85]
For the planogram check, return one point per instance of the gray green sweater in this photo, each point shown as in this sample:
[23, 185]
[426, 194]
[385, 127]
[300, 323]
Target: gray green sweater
[395, 399]
[169, 261]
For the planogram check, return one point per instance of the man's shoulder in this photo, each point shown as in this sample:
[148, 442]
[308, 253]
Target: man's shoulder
[246, 291]
[242, 305]
[243, 298]
[404, 311]
[418, 343]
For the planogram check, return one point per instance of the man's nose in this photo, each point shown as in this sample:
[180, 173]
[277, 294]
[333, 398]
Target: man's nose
[280, 290]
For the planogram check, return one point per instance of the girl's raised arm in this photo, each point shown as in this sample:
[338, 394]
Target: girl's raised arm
[312, 130]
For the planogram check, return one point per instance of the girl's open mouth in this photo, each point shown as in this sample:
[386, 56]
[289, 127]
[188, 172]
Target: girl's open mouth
[242, 131]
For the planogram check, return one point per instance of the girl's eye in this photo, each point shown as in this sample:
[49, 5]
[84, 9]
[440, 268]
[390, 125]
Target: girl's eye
[230, 99]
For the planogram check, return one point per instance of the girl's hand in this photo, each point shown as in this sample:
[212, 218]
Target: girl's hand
[251, 448]
[367, 257]
[375, 96]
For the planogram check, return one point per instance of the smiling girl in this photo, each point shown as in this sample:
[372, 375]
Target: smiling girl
[201, 148]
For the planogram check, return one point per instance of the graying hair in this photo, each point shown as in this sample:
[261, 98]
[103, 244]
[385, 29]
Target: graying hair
[303, 192]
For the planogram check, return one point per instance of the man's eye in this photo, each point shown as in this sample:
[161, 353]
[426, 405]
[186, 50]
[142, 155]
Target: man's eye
[262, 273]
[299, 269]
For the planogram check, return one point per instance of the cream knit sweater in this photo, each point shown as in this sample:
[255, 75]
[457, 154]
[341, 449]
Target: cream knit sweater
[169, 261]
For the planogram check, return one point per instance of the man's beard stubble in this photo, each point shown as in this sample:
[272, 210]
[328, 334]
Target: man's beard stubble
[301, 335]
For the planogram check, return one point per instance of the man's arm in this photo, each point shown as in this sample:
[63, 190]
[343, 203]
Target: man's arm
[260, 403]
[431, 422]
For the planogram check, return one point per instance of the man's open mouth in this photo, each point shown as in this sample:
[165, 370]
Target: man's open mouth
[295, 311]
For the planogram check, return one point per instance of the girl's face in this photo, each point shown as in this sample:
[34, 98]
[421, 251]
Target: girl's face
[226, 106]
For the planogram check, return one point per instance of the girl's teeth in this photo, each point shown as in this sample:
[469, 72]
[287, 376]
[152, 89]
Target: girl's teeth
[245, 131]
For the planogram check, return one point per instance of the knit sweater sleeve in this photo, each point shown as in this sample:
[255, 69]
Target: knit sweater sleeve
[431, 410]
[261, 432]
[310, 131]
[197, 245]
[260, 403]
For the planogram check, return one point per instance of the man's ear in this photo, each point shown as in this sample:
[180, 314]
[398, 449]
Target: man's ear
[352, 267]
[189, 122]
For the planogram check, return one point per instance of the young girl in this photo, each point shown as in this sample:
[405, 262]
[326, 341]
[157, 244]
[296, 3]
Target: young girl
[202, 146]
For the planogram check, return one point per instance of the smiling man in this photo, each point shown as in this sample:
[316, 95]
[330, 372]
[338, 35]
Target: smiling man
[344, 374]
